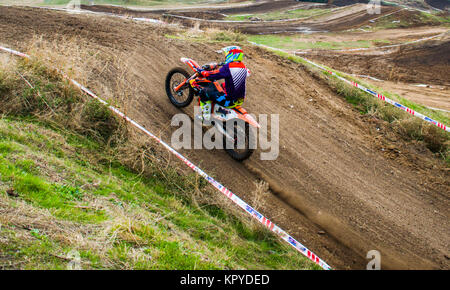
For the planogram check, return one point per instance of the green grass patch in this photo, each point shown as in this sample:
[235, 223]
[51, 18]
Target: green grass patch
[297, 42]
[60, 199]
[280, 15]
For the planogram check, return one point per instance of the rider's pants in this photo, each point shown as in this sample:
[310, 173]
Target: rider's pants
[211, 93]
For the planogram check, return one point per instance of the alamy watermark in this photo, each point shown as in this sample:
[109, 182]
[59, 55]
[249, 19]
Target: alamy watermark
[375, 260]
[74, 260]
[230, 134]
[74, 5]
[374, 7]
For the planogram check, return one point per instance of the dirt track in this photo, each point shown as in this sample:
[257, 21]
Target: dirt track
[352, 17]
[337, 171]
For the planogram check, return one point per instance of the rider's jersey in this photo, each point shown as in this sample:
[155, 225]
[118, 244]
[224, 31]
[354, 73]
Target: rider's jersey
[235, 75]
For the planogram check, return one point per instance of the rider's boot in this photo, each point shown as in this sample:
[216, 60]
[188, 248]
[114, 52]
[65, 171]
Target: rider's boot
[205, 116]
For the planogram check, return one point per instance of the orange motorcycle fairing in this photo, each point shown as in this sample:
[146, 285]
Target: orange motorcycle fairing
[241, 110]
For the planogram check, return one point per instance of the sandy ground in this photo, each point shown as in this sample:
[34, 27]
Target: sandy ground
[337, 172]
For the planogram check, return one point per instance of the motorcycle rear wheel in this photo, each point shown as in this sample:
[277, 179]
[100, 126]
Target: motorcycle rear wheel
[239, 127]
[185, 95]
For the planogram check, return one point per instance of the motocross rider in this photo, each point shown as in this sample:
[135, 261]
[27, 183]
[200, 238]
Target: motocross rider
[232, 92]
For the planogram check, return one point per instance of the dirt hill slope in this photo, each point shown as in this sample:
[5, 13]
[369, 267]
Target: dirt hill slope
[334, 171]
[427, 62]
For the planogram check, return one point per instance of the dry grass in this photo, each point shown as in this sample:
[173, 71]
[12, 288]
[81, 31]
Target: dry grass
[70, 55]
[24, 218]
[125, 221]
[210, 35]
[31, 83]
[260, 195]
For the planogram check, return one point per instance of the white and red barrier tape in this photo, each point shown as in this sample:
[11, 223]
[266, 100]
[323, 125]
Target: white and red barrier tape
[242, 204]
[383, 98]
[373, 93]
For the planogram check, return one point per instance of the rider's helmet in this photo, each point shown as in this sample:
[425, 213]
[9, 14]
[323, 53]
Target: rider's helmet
[232, 53]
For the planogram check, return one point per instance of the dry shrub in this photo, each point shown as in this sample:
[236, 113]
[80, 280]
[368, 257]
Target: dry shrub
[215, 34]
[390, 113]
[436, 139]
[260, 194]
[411, 128]
[38, 92]
[36, 88]
[73, 56]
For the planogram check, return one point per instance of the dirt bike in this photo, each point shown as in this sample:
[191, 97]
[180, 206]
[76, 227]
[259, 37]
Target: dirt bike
[181, 87]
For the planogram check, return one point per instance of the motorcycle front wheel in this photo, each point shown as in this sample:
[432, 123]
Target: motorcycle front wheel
[184, 96]
[238, 148]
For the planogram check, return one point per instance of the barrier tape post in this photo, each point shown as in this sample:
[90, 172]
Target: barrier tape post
[230, 195]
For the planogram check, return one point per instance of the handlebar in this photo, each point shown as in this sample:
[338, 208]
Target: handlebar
[212, 66]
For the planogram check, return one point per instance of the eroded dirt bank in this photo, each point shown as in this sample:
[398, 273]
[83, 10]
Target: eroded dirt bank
[336, 172]
[426, 62]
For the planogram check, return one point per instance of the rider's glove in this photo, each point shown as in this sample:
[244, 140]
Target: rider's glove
[200, 71]
[203, 73]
